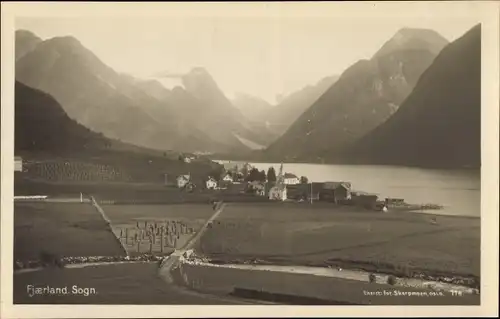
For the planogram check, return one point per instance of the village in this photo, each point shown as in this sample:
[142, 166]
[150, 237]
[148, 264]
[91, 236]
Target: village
[243, 178]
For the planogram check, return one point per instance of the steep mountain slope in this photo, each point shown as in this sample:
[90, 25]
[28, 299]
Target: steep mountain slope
[117, 105]
[42, 125]
[439, 124]
[26, 41]
[291, 107]
[364, 96]
[254, 108]
[276, 119]
[215, 115]
[48, 138]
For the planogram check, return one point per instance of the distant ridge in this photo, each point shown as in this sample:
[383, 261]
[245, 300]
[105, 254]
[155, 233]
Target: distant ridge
[365, 96]
[439, 124]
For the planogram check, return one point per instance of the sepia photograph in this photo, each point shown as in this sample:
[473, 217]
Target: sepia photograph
[295, 154]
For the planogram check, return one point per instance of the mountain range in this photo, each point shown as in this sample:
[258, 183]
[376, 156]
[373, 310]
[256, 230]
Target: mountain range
[195, 117]
[439, 124]
[42, 125]
[415, 102]
[279, 117]
[365, 96]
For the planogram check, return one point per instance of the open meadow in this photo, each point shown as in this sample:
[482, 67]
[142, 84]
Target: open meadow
[132, 283]
[323, 235]
[61, 229]
[128, 193]
[346, 237]
[303, 289]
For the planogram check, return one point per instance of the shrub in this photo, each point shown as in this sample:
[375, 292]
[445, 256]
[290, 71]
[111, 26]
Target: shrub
[49, 259]
[372, 278]
[391, 280]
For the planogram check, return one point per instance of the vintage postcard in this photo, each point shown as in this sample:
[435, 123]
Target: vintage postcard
[290, 159]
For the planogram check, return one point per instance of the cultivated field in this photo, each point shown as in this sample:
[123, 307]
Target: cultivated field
[128, 193]
[140, 227]
[62, 229]
[347, 237]
[324, 234]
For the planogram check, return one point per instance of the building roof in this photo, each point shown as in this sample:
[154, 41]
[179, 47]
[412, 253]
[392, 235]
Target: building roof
[186, 177]
[289, 175]
[232, 165]
[333, 185]
[361, 193]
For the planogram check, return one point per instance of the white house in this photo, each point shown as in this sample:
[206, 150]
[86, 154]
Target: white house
[18, 164]
[182, 180]
[278, 193]
[211, 183]
[227, 178]
[290, 179]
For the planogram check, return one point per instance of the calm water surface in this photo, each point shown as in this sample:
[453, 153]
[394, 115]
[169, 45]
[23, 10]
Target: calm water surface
[459, 191]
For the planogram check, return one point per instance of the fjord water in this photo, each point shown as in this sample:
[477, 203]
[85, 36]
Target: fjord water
[459, 191]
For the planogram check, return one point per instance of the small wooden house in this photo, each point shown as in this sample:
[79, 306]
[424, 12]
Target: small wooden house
[363, 199]
[18, 164]
[183, 180]
[290, 179]
[336, 191]
[227, 178]
[278, 193]
[211, 183]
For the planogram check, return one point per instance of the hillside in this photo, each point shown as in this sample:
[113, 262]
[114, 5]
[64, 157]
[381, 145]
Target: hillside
[215, 115]
[42, 125]
[291, 106]
[254, 108]
[139, 112]
[365, 96]
[278, 118]
[58, 148]
[439, 124]
[26, 41]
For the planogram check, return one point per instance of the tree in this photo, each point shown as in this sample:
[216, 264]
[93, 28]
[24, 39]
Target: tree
[304, 180]
[244, 170]
[217, 173]
[262, 177]
[254, 175]
[271, 174]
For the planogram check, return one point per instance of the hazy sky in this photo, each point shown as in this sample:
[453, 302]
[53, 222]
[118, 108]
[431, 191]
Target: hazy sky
[262, 56]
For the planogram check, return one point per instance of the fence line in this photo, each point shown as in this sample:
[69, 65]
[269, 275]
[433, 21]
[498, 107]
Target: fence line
[108, 221]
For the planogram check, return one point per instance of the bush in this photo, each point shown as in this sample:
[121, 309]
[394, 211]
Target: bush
[49, 260]
[404, 271]
[391, 280]
[372, 278]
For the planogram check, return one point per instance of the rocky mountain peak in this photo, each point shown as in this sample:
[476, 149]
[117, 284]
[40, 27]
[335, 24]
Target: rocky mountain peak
[413, 39]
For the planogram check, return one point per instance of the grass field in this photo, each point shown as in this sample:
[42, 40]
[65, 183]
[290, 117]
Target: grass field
[325, 235]
[128, 193]
[331, 290]
[133, 284]
[280, 233]
[62, 229]
[322, 235]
